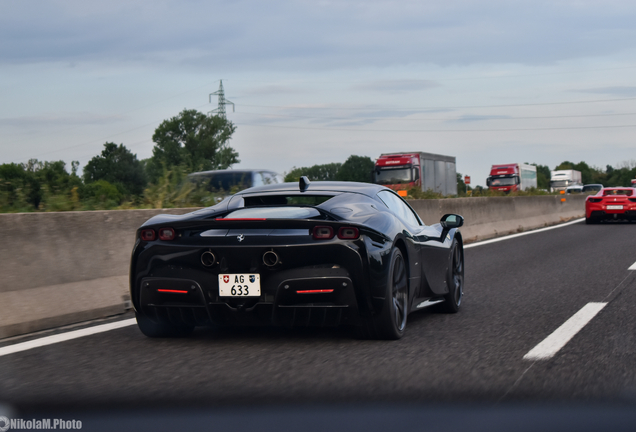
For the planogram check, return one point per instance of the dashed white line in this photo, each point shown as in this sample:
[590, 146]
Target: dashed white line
[561, 336]
[633, 267]
[49, 340]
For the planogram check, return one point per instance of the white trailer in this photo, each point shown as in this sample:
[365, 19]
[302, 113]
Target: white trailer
[561, 179]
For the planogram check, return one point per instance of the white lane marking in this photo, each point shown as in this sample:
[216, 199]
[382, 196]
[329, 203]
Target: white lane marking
[107, 327]
[561, 336]
[508, 237]
[633, 267]
[49, 340]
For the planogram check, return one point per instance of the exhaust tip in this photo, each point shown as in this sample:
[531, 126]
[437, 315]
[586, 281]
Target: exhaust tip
[270, 258]
[208, 259]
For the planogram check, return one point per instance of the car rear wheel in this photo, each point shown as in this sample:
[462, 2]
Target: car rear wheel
[454, 280]
[591, 220]
[390, 322]
[161, 329]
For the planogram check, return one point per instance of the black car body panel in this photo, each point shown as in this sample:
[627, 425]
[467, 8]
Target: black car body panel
[304, 280]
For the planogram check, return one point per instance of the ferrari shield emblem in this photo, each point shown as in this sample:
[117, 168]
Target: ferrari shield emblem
[252, 278]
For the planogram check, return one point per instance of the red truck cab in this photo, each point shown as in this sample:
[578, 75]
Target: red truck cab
[399, 172]
[505, 178]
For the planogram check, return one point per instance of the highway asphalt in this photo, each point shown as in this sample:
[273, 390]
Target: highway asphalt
[517, 292]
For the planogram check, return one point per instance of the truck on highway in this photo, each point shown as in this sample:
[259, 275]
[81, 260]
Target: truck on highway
[512, 177]
[427, 171]
[561, 179]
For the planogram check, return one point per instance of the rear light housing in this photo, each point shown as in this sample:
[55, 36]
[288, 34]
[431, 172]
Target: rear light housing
[596, 200]
[166, 234]
[632, 200]
[348, 233]
[148, 235]
[322, 233]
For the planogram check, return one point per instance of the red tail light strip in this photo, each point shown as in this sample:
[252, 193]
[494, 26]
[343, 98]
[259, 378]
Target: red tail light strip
[172, 291]
[319, 291]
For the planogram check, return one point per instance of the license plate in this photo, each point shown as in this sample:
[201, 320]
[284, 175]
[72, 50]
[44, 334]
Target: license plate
[240, 285]
[615, 207]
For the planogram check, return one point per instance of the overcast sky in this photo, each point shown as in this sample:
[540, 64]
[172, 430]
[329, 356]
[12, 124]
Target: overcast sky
[488, 82]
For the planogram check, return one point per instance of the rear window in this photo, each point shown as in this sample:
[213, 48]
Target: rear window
[609, 192]
[275, 213]
[224, 180]
[293, 200]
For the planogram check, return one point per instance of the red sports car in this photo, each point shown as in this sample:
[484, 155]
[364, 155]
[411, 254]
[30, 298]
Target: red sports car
[611, 203]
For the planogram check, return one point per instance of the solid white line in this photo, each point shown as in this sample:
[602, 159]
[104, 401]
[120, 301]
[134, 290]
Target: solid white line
[508, 237]
[561, 336]
[49, 340]
[633, 267]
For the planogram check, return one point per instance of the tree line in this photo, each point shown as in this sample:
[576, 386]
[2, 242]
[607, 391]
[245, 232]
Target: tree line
[186, 143]
[190, 142]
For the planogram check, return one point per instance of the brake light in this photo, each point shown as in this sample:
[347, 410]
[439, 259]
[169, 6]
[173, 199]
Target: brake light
[322, 233]
[595, 200]
[348, 233]
[166, 234]
[148, 235]
[632, 199]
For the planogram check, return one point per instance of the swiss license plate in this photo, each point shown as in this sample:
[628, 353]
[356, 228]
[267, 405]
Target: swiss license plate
[240, 285]
[615, 207]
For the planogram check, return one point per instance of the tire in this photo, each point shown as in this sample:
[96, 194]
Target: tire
[454, 279]
[160, 329]
[390, 322]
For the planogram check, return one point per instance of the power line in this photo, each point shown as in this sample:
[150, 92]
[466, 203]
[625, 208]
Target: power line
[445, 107]
[442, 130]
[432, 118]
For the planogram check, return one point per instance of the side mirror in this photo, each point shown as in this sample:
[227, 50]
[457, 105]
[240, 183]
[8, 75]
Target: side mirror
[416, 174]
[517, 181]
[488, 182]
[451, 221]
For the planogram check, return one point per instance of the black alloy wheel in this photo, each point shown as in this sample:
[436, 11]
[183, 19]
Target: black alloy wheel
[455, 279]
[390, 323]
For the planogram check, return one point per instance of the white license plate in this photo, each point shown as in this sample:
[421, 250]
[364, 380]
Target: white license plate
[615, 207]
[240, 285]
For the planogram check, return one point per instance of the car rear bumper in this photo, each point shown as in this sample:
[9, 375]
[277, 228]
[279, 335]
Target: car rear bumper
[613, 214]
[300, 297]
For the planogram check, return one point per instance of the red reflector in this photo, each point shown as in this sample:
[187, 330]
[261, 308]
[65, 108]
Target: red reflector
[348, 233]
[314, 291]
[166, 234]
[322, 233]
[172, 291]
[147, 235]
[241, 219]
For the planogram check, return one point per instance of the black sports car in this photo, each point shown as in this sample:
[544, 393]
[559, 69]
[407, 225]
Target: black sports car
[296, 254]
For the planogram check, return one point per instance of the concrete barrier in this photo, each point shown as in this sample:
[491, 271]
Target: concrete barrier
[67, 267]
[496, 216]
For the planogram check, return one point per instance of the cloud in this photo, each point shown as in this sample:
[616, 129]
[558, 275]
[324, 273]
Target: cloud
[397, 86]
[307, 35]
[476, 118]
[56, 120]
[624, 91]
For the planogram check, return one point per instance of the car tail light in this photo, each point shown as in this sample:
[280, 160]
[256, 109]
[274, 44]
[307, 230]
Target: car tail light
[322, 233]
[148, 235]
[348, 233]
[166, 234]
[595, 200]
[632, 199]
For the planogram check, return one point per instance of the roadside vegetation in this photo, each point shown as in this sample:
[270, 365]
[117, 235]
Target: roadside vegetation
[190, 142]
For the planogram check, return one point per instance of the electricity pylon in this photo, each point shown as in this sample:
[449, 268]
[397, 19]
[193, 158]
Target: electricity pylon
[220, 111]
